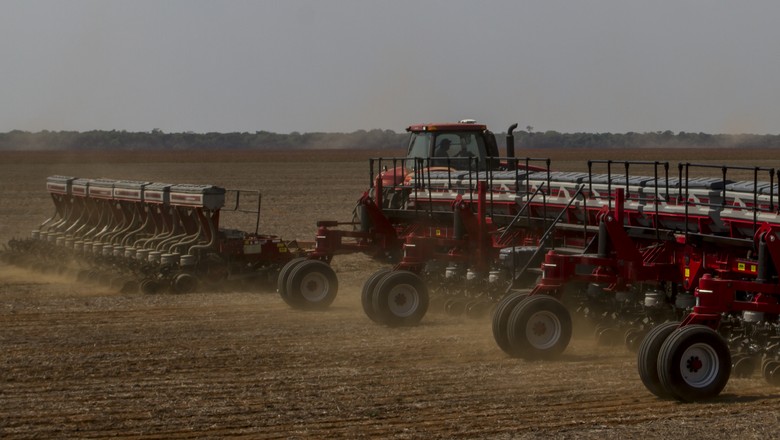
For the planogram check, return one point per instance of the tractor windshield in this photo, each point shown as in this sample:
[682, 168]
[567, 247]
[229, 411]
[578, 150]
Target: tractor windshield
[451, 149]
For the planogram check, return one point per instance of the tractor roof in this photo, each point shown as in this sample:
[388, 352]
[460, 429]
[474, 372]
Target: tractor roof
[447, 126]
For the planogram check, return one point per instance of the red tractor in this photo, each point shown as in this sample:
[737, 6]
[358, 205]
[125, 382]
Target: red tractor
[459, 224]
[631, 251]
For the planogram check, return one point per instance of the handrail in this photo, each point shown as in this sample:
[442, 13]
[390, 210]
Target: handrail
[520, 212]
[651, 190]
[544, 237]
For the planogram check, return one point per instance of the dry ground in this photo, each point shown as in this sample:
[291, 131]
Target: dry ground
[81, 361]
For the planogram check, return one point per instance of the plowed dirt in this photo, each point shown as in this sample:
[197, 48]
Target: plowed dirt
[83, 361]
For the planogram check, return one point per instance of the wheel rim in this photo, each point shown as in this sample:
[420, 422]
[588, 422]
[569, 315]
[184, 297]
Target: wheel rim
[699, 365]
[543, 330]
[403, 300]
[314, 286]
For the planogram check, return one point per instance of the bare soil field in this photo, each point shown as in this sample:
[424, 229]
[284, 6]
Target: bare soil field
[83, 361]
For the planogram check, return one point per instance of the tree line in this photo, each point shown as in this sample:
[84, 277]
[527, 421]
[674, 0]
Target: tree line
[658, 139]
[372, 139]
[159, 140]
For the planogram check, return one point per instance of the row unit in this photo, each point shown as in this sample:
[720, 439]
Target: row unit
[198, 196]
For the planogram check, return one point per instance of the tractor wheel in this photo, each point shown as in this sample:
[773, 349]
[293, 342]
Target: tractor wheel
[539, 327]
[647, 357]
[312, 285]
[400, 299]
[284, 275]
[366, 296]
[501, 316]
[694, 363]
[184, 283]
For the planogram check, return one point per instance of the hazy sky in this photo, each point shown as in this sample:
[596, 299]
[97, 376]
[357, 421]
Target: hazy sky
[340, 66]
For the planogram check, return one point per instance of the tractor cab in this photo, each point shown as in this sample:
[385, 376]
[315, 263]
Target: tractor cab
[445, 147]
[442, 149]
[460, 146]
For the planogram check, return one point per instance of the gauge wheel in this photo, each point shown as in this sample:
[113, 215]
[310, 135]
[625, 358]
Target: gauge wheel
[539, 327]
[312, 285]
[694, 363]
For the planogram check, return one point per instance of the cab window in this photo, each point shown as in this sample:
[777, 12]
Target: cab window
[419, 148]
[459, 147]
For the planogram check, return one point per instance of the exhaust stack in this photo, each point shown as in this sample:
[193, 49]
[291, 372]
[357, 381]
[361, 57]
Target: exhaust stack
[510, 144]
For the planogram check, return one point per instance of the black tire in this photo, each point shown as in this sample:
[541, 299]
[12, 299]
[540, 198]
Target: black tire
[184, 283]
[694, 363]
[367, 293]
[501, 316]
[400, 299]
[312, 285]
[647, 357]
[284, 275]
[539, 327]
